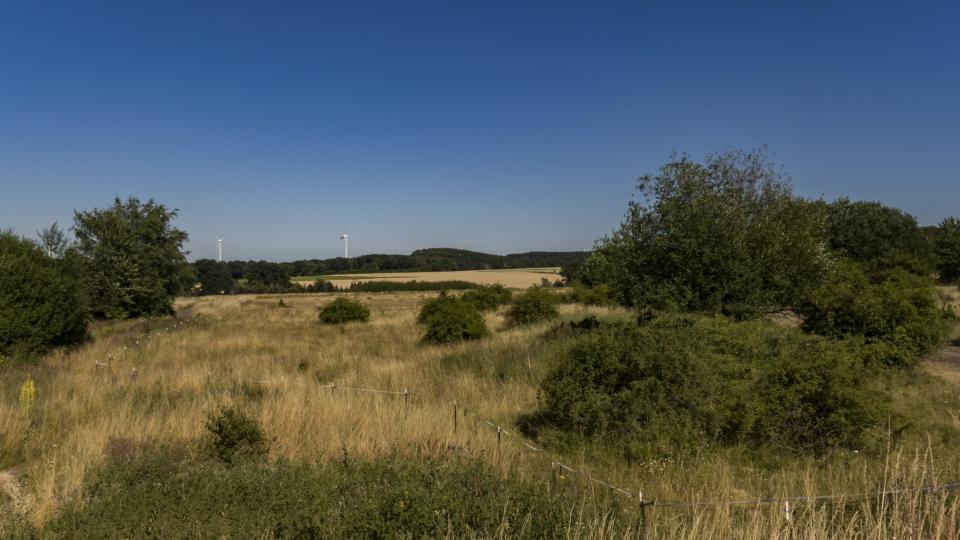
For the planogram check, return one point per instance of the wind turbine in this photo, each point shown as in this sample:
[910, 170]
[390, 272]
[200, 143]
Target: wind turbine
[219, 249]
[346, 240]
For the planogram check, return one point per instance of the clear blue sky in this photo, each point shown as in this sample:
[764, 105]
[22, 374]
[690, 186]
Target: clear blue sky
[495, 126]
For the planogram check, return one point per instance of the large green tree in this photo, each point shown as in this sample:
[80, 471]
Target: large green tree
[134, 256]
[214, 277]
[42, 302]
[878, 236]
[726, 235]
[948, 250]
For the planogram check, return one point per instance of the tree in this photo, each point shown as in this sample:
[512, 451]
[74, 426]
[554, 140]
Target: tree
[134, 257]
[948, 250]
[42, 304]
[879, 236]
[214, 277]
[726, 236]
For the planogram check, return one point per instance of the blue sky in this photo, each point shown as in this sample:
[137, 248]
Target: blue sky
[495, 126]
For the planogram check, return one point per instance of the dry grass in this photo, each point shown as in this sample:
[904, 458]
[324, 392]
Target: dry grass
[275, 362]
[519, 278]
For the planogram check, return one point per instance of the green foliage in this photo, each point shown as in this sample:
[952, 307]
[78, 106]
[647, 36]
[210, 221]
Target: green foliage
[681, 384]
[42, 300]
[536, 304]
[894, 311]
[432, 306]
[723, 236]
[878, 236]
[134, 258]
[947, 245]
[214, 277]
[163, 494]
[598, 295]
[232, 436]
[344, 310]
[487, 297]
[392, 286]
[452, 320]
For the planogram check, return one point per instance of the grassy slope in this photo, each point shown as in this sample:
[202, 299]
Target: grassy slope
[276, 361]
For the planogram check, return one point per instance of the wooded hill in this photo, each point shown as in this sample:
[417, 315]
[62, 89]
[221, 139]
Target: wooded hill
[421, 260]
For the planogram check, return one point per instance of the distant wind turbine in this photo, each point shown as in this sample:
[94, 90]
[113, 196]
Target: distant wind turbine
[346, 240]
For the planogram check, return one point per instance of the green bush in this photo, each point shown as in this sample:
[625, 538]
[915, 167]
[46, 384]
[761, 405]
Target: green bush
[160, 494]
[536, 304]
[488, 297]
[233, 436]
[343, 310]
[42, 302]
[452, 320]
[895, 312]
[680, 384]
[430, 307]
[598, 295]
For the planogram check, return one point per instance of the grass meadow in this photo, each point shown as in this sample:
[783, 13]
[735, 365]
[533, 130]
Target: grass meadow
[279, 363]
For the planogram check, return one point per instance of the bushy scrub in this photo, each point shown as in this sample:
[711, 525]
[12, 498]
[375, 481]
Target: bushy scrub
[343, 310]
[680, 384]
[432, 306]
[894, 312]
[162, 494]
[42, 302]
[487, 297]
[233, 436]
[598, 295]
[536, 304]
[452, 320]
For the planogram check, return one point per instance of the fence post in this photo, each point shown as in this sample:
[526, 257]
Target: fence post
[498, 441]
[406, 398]
[643, 516]
[786, 510]
[454, 417]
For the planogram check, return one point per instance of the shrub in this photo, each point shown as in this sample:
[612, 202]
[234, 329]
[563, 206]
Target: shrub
[42, 303]
[598, 295]
[487, 297]
[430, 307]
[534, 305]
[894, 311]
[343, 310]
[232, 436]
[679, 384]
[454, 320]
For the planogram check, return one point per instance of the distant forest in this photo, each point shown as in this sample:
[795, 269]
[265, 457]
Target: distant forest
[421, 260]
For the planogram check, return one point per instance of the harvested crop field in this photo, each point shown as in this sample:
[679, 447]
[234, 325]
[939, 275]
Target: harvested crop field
[517, 278]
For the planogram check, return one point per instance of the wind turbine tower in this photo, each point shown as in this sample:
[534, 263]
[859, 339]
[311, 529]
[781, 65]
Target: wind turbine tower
[219, 249]
[346, 240]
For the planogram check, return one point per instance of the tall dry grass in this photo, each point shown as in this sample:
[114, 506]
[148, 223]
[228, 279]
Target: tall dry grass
[276, 363]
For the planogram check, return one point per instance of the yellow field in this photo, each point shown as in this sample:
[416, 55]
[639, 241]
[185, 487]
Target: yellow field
[517, 278]
[279, 363]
